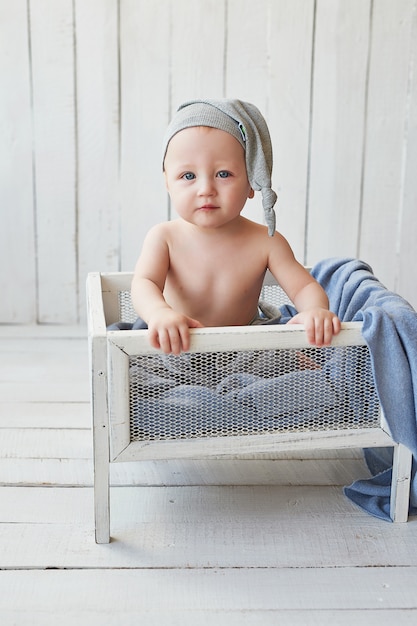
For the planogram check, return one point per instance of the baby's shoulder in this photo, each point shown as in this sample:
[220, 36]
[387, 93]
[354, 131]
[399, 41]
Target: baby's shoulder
[253, 229]
[257, 234]
[162, 231]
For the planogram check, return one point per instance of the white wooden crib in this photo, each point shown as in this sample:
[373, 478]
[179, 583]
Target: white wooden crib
[146, 405]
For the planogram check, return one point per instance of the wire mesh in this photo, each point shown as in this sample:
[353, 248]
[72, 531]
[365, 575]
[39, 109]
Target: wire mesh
[225, 394]
[126, 311]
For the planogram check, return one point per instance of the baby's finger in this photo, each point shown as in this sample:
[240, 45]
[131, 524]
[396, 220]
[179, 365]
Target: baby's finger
[336, 325]
[327, 331]
[184, 335]
[153, 337]
[165, 341]
[319, 332]
[310, 330]
[175, 342]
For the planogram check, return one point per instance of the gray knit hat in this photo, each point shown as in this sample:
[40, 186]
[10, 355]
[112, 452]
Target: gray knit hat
[246, 123]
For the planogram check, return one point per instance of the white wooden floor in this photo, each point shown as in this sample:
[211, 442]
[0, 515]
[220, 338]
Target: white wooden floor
[235, 542]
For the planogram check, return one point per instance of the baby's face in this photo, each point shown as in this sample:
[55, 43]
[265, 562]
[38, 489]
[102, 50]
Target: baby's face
[205, 174]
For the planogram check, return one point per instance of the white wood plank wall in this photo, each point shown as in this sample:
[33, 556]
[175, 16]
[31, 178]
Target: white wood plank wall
[88, 86]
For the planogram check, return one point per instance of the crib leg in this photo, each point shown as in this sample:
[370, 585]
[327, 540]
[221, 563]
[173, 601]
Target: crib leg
[400, 487]
[101, 503]
[101, 447]
[101, 484]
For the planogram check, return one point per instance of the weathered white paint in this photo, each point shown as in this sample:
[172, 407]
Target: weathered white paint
[145, 35]
[385, 137]
[375, 596]
[291, 44]
[54, 139]
[88, 87]
[338, 116]
[17, 229]
[406, 245]
[98, 118]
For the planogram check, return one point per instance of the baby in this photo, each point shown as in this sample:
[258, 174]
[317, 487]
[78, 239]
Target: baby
[207, 267]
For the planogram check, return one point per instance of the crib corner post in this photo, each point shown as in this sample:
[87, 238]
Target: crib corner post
[101, 446]
[400, 486]
[101, 484]
[101, 507]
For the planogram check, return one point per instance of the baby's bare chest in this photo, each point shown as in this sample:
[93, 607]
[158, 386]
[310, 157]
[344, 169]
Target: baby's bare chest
[216, 292]
[221, 270]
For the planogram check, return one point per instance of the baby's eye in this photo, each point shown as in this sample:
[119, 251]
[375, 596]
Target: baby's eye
[223, 174]
[188, 176]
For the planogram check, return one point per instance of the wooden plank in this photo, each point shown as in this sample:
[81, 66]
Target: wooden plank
[400, 490]
[32, 443]
[192, 65]
[60, 359]
[52, 36]
[223, 339]
[339, 101]
[290, 45]
[17, 236]
[98, 122]
[200, 527]
[248, 66]
[259, 596]
[144, 67]
[407, 258]
[118, 401]
[58, 415]
[45, 341]
[61, 391]
[54, 370]
[46, 472]
[35, 331]
[392, 26]
[208, 617]
[101, 435]
[253, 444]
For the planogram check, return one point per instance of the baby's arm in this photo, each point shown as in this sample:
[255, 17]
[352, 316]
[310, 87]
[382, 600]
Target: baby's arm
[308, 296]
[168, 329]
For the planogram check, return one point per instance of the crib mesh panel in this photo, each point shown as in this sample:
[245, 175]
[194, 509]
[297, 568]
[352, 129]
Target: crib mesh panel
[273, 294]
[126, 311]
[198, 395]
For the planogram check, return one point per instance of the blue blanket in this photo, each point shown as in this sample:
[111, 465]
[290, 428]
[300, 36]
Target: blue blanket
[390, 331]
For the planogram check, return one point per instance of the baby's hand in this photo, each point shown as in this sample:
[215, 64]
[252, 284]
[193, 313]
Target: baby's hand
[320, 325]
[169, 331]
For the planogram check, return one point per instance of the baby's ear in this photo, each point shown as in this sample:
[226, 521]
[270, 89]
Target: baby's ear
[251, 193]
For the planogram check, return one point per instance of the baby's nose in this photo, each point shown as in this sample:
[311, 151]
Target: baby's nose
[206, 186]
